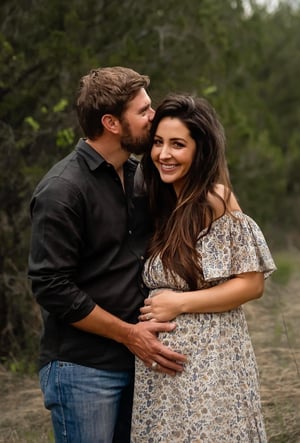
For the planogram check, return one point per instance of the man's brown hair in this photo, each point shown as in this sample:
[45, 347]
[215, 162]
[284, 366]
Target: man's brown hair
[106, 91]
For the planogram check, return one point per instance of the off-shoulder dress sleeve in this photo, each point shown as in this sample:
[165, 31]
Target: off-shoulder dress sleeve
[234, 245]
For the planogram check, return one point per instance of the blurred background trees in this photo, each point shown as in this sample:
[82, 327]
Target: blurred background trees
[241, 56]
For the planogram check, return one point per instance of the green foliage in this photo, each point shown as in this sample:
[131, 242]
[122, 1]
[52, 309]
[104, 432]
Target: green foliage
[246, 64]
[61, 105]
[32, 123]
[65, 138]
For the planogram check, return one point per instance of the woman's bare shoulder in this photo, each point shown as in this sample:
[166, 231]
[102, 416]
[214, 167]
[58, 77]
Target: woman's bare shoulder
[228, 196]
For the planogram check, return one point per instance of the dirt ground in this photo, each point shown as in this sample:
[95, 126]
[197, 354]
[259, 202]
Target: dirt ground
[274, 327]
[274, 324]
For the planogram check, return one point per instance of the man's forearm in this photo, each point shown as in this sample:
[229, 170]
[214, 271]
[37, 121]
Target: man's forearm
[101, 322]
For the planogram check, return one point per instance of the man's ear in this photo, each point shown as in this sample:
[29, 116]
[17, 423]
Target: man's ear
[111, 123]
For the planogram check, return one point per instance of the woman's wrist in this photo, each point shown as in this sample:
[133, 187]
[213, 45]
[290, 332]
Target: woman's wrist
[191, 302]
[183, 303]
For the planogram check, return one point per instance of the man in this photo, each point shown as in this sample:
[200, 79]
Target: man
[89, 234]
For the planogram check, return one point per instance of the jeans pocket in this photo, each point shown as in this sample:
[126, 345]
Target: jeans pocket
[44, 376]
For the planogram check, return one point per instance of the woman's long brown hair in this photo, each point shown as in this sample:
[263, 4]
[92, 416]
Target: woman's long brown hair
[179, 222]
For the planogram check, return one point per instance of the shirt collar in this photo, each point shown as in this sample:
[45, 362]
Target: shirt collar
[92, 158]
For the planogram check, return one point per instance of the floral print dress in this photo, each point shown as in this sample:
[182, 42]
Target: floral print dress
[216, 398]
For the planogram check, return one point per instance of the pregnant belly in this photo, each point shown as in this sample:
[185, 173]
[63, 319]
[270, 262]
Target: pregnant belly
[195, 332]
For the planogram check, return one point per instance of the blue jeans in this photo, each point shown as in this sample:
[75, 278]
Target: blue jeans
[87, 405]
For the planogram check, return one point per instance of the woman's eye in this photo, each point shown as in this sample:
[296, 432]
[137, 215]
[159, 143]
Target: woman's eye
[157, 142]
[178, 145]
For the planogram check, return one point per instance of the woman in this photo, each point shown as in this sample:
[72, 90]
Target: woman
[206, 259]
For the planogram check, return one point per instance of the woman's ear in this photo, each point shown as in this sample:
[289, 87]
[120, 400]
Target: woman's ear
[110, 123]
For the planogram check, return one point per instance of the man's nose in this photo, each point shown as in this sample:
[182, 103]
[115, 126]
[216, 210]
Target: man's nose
[151, 114]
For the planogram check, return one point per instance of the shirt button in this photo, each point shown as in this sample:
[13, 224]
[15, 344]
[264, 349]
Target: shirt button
[129, 232]
[142, 285]
[142, 257]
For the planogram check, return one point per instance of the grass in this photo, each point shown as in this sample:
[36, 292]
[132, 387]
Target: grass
[13, 436]
[274, 327]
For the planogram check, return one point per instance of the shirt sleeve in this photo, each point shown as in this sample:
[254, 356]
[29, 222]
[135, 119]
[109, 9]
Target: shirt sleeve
[234, 245]
[56, 242]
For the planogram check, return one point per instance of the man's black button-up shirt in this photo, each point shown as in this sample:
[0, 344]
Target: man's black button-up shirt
[88, 242]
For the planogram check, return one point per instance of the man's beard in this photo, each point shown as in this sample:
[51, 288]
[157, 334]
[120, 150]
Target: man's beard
[134, 145]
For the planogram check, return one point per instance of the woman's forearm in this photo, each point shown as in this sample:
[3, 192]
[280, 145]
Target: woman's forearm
[224, 297]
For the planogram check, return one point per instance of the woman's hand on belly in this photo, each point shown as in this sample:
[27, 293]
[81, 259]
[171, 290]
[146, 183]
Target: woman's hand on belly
[163, 306]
